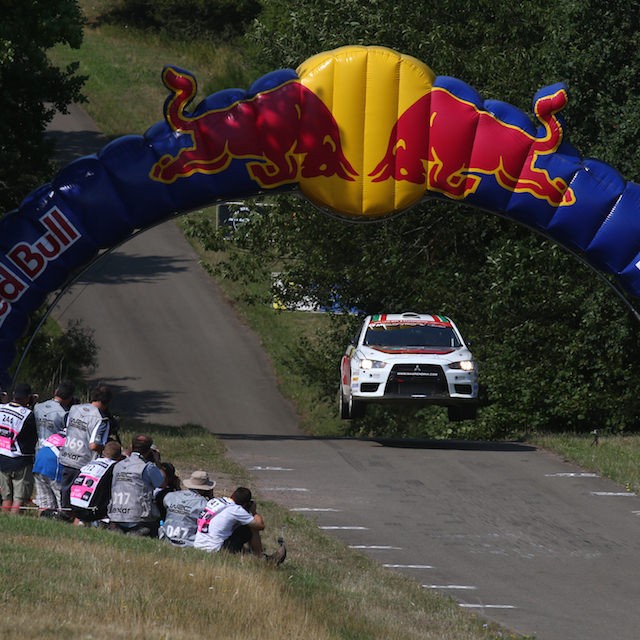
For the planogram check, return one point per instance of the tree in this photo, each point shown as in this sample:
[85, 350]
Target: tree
[56, 354]
[534, 313]
[216, 19]
[32, 88]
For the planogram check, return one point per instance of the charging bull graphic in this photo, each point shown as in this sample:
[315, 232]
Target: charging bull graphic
[335, 131]
[441, 158]
[269, 131]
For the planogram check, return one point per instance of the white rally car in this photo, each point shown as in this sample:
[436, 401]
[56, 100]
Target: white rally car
[410, 358]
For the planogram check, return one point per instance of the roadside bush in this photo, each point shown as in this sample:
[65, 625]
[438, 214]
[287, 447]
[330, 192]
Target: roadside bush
[56, 354]
[221, 19]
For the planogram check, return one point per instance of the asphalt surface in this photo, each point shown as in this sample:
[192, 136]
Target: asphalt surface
[513, 534]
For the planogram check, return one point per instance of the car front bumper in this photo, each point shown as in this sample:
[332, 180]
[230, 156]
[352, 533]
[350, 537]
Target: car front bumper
[415, 382]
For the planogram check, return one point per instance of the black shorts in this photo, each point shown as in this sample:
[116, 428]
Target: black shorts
[89, 515]
[240, 536]
[69, 474]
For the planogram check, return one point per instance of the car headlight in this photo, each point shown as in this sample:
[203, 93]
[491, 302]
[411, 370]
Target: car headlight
[465, 365]
[372, 364]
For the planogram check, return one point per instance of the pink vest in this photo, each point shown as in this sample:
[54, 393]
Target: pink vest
[12, 419]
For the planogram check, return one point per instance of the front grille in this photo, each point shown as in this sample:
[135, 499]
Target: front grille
[416, 379]
[369, 387]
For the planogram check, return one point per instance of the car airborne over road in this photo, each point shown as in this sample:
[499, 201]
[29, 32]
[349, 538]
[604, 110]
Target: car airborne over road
[409, 358]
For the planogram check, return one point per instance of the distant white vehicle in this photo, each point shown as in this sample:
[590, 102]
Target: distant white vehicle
[409, 358]
[231, 216]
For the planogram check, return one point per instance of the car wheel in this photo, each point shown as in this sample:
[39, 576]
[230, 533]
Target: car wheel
[344, 406]
[356, 409]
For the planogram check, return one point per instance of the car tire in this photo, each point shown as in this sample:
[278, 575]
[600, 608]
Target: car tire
[343, 403]
[356, 409]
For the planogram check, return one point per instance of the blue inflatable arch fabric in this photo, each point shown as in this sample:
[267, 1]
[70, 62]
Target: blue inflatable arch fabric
[284, 133]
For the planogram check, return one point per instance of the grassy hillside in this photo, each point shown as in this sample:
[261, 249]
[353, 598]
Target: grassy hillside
[60, 581]
[86, 583]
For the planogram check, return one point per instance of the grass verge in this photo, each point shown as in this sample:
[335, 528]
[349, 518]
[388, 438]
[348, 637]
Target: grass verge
[124, 67]
[58, 581]
[615, 456]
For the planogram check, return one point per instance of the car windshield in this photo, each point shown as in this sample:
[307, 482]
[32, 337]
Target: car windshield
[410, 335]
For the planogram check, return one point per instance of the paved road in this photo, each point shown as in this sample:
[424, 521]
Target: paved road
[512, 533]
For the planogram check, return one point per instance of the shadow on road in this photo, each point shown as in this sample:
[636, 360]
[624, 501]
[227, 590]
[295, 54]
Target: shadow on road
[119, 268]
[461, 445]
[136, 405]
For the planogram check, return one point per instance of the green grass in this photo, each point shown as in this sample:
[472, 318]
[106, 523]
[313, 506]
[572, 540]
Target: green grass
[60, 581]
[616, 456]
[281, 333]
[124, 67]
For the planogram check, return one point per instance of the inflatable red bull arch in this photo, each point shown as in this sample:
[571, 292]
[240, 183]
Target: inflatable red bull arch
[362, 132]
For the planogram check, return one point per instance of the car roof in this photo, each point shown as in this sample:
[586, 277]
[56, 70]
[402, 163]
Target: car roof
[409, 318]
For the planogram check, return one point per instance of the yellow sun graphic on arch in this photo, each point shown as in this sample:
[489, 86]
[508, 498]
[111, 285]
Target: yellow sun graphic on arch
[366, 89]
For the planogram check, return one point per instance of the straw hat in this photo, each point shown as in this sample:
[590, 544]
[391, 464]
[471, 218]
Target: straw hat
[199, 480]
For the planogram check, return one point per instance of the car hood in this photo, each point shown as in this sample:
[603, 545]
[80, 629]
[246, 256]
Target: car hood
[413, 354]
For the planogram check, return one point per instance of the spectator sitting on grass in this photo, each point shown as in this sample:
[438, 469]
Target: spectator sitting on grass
[132, 508]
[91, 490]
[183, 509]
[87, 433]
[234, 525]
[171, 483]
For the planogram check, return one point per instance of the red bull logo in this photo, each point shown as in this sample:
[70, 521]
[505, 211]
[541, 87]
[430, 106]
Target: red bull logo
[285, 135]
[431, 145]
[11, 289]
[365, 162]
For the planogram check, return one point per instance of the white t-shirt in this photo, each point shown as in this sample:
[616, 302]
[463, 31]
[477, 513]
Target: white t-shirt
[217, 522]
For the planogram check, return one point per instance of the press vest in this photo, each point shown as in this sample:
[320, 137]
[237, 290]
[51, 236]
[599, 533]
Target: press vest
[12, 419]
[83, 422]
[50, 417]
[212, 509]
[181, 523]
[91, 490]
[131, 498]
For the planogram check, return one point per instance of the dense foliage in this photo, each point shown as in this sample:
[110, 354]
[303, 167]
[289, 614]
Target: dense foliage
[32, 88]
[56, 354]
[219, 19]
[556, 345]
